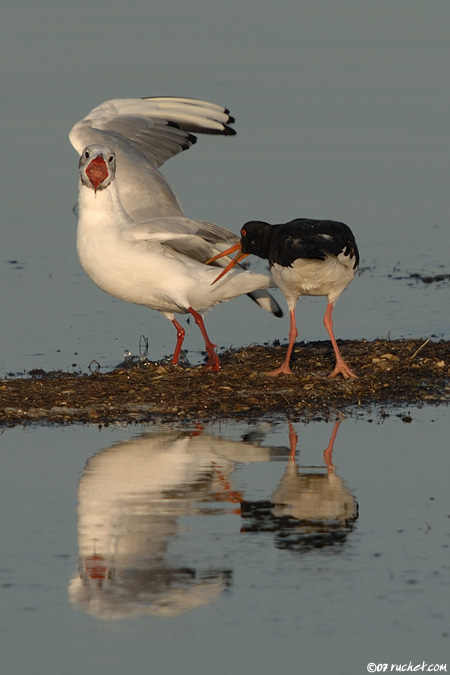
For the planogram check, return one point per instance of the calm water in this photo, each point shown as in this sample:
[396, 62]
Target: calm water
[342, 112]
[192, 550]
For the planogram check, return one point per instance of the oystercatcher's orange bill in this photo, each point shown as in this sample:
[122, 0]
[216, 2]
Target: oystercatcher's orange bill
[237, 258]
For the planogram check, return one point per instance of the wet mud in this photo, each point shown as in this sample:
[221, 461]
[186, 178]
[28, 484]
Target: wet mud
[390, 373]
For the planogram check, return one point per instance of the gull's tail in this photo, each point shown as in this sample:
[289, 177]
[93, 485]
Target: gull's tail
[266, 301]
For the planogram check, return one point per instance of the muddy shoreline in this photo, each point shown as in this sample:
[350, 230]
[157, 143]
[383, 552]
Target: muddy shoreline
[390, 374]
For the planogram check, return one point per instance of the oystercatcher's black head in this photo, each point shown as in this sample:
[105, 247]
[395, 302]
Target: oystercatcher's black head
[256, 237]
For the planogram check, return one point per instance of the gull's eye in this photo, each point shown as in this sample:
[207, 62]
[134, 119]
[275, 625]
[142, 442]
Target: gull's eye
[111, 159]
[87, 154]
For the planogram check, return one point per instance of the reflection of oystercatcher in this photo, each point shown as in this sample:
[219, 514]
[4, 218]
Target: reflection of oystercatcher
[306, 257]
[320, 501]
[157, 263]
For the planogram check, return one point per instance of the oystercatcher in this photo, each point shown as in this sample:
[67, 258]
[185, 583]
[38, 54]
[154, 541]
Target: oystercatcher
[306, 257]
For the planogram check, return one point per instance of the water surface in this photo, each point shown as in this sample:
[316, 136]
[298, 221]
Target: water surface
[219, 545]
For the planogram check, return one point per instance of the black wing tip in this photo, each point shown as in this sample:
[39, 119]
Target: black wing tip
[226, 131]
[231, 119]
[190, 138]
[229, 131]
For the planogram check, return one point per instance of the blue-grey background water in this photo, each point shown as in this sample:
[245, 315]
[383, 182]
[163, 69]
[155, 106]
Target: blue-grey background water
[341, 111]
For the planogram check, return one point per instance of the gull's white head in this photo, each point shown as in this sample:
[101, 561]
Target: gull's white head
[97, 167]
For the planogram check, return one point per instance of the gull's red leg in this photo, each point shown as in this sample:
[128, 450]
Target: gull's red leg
[180, 338]
[213, 360]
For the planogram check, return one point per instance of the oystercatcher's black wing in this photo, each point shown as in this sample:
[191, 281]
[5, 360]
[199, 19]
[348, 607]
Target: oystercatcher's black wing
[311, 239]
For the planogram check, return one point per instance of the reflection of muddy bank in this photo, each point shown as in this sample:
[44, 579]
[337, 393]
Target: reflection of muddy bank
[390, 372]
[311, 507]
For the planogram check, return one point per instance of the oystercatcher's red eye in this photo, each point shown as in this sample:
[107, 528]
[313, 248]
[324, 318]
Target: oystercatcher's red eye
[243, 233]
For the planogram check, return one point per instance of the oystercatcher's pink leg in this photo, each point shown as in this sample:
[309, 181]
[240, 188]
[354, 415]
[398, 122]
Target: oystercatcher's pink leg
[341, 366]
[284, 369]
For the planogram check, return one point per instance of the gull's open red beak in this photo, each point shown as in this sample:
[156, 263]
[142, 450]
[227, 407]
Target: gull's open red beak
[97, 171]
[237, 258]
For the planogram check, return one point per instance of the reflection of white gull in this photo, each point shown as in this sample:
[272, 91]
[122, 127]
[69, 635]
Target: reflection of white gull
[313, 496]
[134, 240]
[130, 499]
